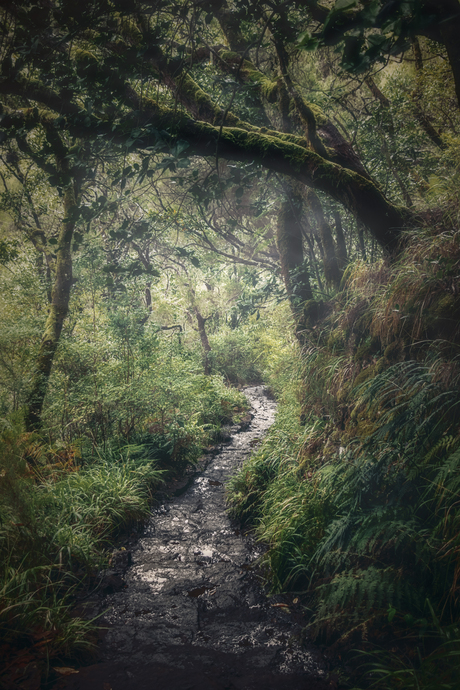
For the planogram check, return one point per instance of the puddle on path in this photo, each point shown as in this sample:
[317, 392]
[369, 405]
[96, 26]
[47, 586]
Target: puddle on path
[193, 615]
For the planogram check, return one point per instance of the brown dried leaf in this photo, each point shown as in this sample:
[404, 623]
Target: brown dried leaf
[65, 670]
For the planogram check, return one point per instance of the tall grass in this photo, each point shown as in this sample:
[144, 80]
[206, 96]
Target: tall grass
[63, 503]
[57, 522]
[355, 490]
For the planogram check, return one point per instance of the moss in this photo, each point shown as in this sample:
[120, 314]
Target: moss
[320, 117]
[311, 312]
[84, 56]
[268, 87]
[34, 116]
[343, 393]
[266, 144]
[448, 306]
[229, 56]
[249, 72]
[442, 319]
[363, 352]
[394, 351]
[269, 90]
[359, 426]
[189, 89]
[365, 375]
[196, 95]
[128, 28]
[381, 365]
[336, 340]
[293, 148]
[86, 63]
[367, 349]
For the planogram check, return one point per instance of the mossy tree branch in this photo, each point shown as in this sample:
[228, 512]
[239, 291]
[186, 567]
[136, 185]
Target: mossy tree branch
[282, 153]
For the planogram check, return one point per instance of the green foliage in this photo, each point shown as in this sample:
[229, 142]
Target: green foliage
[34, 610]
[57, 520]
[127, 405]
[355, 488]
[274, 488]
[237, 354]
[81, 510]
[435, 663]
[359, 504]
[369, 32]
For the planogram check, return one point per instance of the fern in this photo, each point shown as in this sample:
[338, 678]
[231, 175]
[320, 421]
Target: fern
[352, 595]
[394, 538]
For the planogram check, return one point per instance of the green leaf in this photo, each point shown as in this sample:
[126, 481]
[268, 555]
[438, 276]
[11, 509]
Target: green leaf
[391, 613]
[308, 42]
[180, 147]
[112, 268]
[369, 14]
[345, 4]
[8, 251]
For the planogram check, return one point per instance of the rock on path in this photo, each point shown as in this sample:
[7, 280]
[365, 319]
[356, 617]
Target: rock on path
[193, 615]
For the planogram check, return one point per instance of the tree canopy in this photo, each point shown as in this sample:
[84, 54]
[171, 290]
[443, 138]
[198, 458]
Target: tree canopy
[97, 94]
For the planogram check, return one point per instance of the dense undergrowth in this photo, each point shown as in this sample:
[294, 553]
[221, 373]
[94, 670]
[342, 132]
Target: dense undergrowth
[67, 491]
[356, 487]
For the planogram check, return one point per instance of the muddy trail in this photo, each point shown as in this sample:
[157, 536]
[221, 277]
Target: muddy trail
[192, 614]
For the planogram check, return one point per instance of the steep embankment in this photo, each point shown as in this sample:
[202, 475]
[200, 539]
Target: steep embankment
[355, 488]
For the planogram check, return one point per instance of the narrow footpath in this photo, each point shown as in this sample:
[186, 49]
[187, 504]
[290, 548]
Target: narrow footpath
[193, 615]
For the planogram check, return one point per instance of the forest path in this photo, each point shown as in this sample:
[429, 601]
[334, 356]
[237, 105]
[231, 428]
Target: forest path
[193, 615]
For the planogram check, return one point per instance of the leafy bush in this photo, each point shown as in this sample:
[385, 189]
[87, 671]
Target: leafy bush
[358, 501]
[236, 355]
[57, 520]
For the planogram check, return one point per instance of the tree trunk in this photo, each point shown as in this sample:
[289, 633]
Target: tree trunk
[290, 248]
[282, 153]
[57, 312]
[204, 340]
[447, 32]
[341, 245]
[332, 272]
[362, 245]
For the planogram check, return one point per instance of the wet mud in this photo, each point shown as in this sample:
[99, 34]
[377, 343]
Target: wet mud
[192, 613]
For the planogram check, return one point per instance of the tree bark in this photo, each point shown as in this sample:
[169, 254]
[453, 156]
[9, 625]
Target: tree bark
[201, 321]
[282, 153]
[290, 248]
[362, 245]
[341, 245]
[332, 272]
[57, 312]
